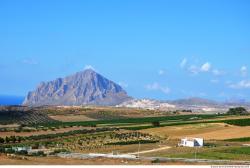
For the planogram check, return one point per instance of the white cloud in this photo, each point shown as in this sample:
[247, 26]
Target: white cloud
[157, 86]
[244, 84]
[30, 61]
[243, 71]
[161, 72]
[89, 67]
[214, 81]
[194, 69]
[217, 72]
[123, 84]
[183, 63]
[205, 67]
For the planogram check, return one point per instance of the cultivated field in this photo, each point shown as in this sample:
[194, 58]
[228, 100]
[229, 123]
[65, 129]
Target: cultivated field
[208, 131]
[135, 132]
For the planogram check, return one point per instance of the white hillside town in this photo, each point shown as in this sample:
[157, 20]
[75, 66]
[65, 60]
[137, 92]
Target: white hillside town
[147, 104]
[191, 104]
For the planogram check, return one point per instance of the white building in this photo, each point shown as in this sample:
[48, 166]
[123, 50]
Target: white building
[24, 148]
[192, 142]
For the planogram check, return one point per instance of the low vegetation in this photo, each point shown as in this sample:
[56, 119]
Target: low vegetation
[244, 139]
[215, 153]
[238, 122]
[18, 116]
[103, 140]
[18, 139]
[131, 120]
[237, 111]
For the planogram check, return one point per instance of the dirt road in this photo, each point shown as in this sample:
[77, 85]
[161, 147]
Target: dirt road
[150, 151]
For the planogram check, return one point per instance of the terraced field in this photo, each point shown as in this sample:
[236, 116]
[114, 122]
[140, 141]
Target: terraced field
[24, 117]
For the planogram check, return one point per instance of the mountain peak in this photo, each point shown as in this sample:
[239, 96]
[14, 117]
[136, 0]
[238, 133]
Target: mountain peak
[89, 71]
[82, 88]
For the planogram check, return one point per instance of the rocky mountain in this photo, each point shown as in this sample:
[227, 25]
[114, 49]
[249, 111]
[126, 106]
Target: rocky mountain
[83, 88]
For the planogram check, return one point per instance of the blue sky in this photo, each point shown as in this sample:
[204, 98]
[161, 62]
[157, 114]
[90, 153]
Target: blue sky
[163, 49]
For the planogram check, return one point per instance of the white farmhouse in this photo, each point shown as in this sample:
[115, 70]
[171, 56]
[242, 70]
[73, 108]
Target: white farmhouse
[24, 148]
[192, 142]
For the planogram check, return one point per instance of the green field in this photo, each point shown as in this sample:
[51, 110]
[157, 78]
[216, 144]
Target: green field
[244, 139]
[220, 153]
[178, 118]
[239, 122]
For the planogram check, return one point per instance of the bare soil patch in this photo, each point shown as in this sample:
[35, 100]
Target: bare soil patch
[71, 118]
[209, 131]
[227, 133]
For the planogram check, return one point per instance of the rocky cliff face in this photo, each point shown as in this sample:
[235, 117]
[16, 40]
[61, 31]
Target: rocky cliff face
[82, 88]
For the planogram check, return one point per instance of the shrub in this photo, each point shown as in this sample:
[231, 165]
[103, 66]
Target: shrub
[60, 150]
[237, 111]
[12, 139]
[22, 152]
[7, 139]
[9, 150]
[156, 161]
[18, 139]
[156, 123]
[1, 140]
[2, 150]
[239, 122]
[39, 153]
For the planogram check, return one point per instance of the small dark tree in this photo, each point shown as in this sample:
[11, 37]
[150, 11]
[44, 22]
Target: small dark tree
[18, 139]
[237, 111]
[7, 139]
[2, 150]
[1, 140]
[41, 153]
[22, 152]
[93, 125]
[13, 139]
[156, 123]
[10, 150]
[35, 146]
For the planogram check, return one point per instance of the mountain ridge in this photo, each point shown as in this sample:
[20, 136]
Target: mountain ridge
[82, 88]
[195, 101]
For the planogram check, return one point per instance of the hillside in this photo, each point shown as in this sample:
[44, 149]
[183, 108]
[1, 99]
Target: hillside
[22, 115]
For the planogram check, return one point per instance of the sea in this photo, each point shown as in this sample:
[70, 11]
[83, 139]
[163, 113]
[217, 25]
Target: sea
[11, 100]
